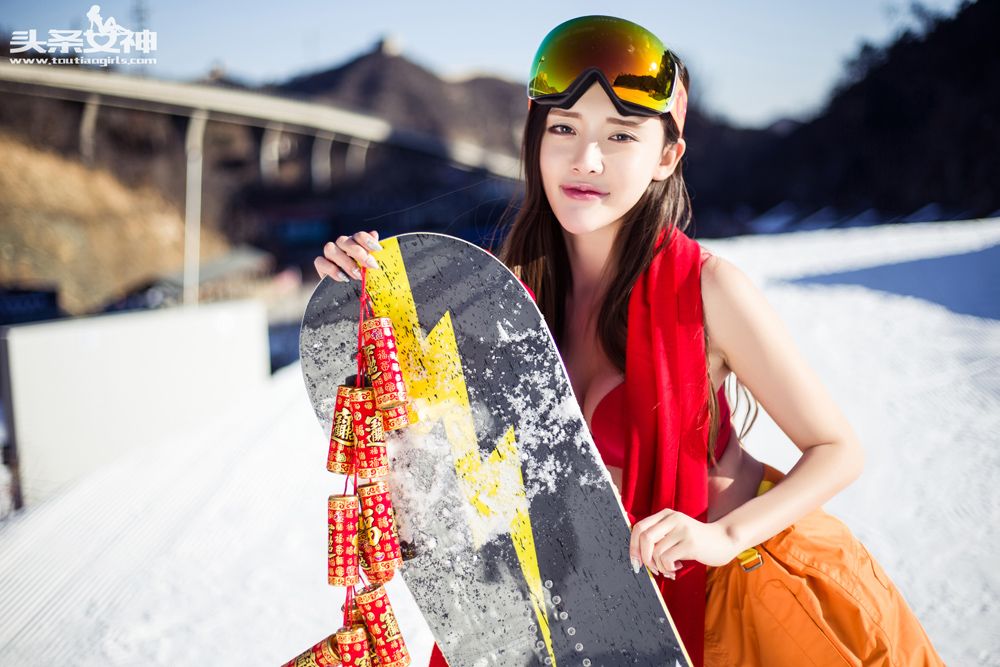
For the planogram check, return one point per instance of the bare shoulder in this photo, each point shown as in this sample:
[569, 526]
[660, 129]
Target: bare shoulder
[747, 330]
[759, 348]
[723, 284]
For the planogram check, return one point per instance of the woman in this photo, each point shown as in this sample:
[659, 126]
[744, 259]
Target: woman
[650, 326]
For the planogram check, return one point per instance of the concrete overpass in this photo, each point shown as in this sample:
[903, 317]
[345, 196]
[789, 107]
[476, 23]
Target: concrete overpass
[275, 115]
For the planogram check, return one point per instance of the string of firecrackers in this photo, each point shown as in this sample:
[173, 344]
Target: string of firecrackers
[363, 539]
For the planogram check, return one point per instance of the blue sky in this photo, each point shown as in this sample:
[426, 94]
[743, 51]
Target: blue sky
[751, 62]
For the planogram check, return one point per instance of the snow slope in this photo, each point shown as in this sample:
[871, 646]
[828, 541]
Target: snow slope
[210, 549]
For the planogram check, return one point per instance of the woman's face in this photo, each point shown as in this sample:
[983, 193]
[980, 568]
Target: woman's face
[591, 143]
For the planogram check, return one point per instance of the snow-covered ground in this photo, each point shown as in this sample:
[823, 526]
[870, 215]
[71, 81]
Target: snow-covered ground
[211, 548]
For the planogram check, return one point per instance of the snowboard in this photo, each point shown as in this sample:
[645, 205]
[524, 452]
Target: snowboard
[515, 541]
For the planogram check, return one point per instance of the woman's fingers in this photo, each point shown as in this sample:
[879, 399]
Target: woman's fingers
[666, 554]
[646, 537]
[369, 240]
[646, 544]
[658, 534]
[325, 267]
[341, 258]
[351, 247]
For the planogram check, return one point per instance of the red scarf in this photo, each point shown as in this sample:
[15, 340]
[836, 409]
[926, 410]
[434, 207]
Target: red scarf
[667, 395]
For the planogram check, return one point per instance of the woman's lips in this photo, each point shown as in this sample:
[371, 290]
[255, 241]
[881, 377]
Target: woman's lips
[573, 193]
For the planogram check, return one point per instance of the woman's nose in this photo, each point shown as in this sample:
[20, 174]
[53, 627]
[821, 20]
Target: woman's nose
[588, 157]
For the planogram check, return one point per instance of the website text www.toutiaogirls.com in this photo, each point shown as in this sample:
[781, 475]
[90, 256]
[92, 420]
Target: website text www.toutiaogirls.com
[77, 60]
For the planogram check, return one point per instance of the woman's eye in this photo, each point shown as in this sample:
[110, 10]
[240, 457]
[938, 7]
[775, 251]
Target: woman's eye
[620, 134]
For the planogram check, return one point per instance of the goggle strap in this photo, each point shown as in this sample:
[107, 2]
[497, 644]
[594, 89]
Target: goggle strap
[679, 108]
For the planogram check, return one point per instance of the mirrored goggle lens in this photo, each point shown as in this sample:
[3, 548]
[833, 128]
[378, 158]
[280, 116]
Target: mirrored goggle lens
[636, 64]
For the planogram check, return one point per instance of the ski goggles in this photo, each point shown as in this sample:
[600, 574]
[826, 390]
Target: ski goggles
[633, 66]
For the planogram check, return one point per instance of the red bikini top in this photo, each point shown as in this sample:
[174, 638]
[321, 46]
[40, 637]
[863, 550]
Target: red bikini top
[607, 424]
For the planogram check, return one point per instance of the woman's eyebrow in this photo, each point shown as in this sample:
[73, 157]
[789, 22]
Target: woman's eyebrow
[610, 119]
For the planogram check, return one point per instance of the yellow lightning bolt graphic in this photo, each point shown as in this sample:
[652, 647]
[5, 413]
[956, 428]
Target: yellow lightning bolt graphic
[433, 371]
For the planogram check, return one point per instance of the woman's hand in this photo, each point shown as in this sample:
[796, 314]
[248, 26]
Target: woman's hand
[341, 258]
[661, 540]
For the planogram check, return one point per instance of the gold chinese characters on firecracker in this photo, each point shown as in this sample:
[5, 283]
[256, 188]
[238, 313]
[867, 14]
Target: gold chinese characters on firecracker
[378, 342]
[341, 456]
[371, 459]
[342, 569]
[380, 540]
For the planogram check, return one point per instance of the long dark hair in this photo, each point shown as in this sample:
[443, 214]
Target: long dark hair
[535, 250]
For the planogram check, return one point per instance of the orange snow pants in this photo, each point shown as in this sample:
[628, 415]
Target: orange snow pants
[810, 595]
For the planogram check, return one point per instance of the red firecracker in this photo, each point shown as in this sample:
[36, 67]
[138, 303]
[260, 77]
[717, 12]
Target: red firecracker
[357, 618]
[342, 568]
[352, 645]
[323, 654]
[371, 459]
[383, 626]
[384, 570]
[396, 417]
[381, 540]
[378, 340]
[341, 456]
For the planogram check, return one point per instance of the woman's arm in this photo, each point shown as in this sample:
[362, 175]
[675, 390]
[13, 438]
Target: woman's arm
[759, 349]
